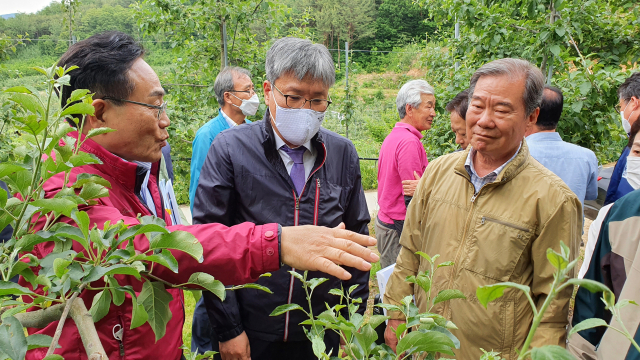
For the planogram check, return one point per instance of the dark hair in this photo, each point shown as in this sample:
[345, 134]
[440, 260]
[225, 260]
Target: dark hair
[550, 108]
[459, 104]
[630, 87]
[103, 60]
[635, 128]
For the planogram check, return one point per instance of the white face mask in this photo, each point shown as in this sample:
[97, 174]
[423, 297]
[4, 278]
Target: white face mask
[248, 107]
[633, 171]
[625, 123]
[297, 126]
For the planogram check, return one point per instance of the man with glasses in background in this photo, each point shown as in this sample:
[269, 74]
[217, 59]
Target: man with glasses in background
[237, 99]
[285, 168]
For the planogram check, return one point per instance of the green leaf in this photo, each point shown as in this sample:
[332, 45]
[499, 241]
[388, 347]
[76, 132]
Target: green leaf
[78, 109]
[60, 206]
[77, 95]
[336, 292]
[6, 169]
[209, 283]
[99, 131]
[139, 315]
[18, 89]
[560, 30]
[488, 293]
[585, 88]
[53, 357]
[93, 191]
[28, 102]
[85, 178]
[30, 240]
[556, 260]
[431, 341]
[254, 286]
[165, 258]
[178, 240]
[446, 263]
[591, 285]
[12, 340]
[551, 352]
[366, 337]
[587, 324]
[555, 50]
[155, 299]
[313, 283]
[10, 288]
[375, 320]
[100, 305]
[424, 255]
[318, 346]
[82, 220]
[285, 308]
[449, 294]
[117, 293]
[40, 341]
[60, 266]
[577, 106]
[98, 272]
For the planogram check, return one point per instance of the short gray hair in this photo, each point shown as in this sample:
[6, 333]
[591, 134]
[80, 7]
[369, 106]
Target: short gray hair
[515, 69]
[301, 58]
[411, 94]
[224, 81]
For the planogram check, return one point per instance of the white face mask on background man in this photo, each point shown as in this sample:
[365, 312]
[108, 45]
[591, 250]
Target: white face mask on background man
[297, 126]
[625, 123]
[633, 171]
[248, 107]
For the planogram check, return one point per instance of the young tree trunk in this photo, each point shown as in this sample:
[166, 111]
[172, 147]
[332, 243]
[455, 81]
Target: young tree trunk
[82, 318]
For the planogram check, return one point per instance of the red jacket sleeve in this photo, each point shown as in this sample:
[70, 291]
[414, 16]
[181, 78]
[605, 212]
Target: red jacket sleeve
[234, 255]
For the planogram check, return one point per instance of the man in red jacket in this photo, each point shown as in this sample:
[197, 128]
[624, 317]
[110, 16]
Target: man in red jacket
[129, 98]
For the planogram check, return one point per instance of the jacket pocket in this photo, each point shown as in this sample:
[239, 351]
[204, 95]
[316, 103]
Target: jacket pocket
[496, 246]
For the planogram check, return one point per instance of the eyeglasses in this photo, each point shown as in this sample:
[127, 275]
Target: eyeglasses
[298, 102]
[250, 91]
[161, 108]
[619, 108]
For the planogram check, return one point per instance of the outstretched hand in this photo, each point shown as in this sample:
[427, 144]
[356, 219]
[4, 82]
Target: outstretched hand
[323, 249]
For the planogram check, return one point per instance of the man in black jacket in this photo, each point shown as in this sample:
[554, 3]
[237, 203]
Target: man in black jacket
[285, 169]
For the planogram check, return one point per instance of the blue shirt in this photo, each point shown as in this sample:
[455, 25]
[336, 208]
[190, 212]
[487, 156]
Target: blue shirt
[575, 165]
[618, 185]
[477, 181]
[200, 148]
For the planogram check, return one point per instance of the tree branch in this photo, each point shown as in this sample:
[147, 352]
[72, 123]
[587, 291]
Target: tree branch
[80, 315]
[63, 319]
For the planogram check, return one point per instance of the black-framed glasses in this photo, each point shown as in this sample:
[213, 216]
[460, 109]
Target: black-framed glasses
[161, 108]
[298, 102]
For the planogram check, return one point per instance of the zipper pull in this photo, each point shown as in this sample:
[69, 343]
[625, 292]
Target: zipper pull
[117, 334]
[482, 220]
[298, 203]
[473, 198]
[318, 182]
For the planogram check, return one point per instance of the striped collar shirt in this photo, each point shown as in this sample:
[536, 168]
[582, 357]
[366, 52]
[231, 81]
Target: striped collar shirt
[477, 181]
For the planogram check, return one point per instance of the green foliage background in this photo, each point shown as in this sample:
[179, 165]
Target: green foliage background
[402, 40]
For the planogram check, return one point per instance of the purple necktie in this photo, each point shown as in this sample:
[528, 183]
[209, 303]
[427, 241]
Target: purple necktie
[297, 171]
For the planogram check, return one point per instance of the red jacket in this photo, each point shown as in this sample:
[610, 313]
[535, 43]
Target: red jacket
[234, 255]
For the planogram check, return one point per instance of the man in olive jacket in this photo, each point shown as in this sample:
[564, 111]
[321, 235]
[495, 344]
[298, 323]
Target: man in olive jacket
[494, 211]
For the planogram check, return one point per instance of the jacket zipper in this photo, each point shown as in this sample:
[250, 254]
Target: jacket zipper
[296, 219]
[118, 332]
[522, 228]
[464, 236]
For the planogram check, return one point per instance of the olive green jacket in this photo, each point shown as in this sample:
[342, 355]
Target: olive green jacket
[500, 234]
